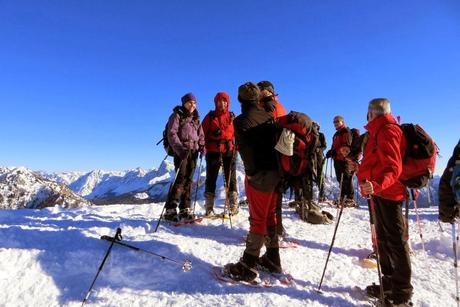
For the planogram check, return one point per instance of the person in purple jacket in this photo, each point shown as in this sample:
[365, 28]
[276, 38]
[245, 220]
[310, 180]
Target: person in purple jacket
[186, 138]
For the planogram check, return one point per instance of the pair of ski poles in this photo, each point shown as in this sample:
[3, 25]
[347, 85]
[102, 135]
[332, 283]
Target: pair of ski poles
[116, 239]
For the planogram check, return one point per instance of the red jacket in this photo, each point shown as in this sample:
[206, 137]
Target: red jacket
[342, 138]
[218, 128]
[383, 158]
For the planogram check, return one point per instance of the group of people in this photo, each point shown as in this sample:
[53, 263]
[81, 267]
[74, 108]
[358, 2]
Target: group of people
[254, 134]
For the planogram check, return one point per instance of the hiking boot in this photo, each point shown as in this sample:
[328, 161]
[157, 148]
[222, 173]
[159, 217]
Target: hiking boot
[233, 201]
[349, 203]
[186, 215]
[210, 213]
[374, 289]
[270, 261]
[243, 269]
[400, 303]
[171, 215]
[209, 202]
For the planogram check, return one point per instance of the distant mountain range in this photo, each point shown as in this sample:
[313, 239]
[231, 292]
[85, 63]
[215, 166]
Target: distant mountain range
[24, 188]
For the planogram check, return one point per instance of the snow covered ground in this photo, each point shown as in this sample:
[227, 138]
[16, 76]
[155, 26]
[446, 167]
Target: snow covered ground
[49, 257]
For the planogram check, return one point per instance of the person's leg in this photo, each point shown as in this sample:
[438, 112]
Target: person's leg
[186, 199]
[213, 163]
[230, 182]
[398, 249]
[176, 191]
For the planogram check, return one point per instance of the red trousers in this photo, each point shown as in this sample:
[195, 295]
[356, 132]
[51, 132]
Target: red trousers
[262, 209]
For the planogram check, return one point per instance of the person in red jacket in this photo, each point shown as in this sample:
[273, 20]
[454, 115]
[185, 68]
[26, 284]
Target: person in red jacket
[220, 150]
[269, 100]
[378, 175]
[341, 146]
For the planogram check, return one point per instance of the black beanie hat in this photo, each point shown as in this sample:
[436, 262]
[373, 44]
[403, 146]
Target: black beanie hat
[248, 92]
[266, 85]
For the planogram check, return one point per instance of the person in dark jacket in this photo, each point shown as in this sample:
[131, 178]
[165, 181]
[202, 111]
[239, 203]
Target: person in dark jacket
[268, 100]
[381, 167]
[186, 138]
[341, 144]
[449, 198]
[220, 150]
[255, 133]
[319, 155]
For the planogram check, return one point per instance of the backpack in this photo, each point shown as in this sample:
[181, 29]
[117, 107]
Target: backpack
[419, 159]
[304, 144]
[354, 142]
[168, 149]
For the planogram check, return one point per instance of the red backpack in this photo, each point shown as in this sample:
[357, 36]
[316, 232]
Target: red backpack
[419, 160]
[304, 144]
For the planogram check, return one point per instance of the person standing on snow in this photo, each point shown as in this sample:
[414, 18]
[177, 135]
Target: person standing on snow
[255, 133]
[378, 175]
[186, 138]
[319, 155]
[269, 102]
[220, 150]
[449, 189]
[341, 146]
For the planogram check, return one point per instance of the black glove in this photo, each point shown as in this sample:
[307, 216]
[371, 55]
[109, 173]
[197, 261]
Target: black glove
[269, 104]
[217, 132]
[329, 154]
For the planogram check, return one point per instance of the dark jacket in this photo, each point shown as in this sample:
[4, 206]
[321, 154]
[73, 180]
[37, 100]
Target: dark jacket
[185, 132]
[447, 202]
[255, 134]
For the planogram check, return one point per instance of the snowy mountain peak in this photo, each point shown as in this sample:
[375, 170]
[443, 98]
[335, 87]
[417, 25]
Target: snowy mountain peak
[22, 188]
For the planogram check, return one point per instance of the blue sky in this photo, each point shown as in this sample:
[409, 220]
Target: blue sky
[89, 84]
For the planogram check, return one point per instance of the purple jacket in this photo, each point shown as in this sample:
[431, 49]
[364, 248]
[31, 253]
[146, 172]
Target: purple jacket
[185, 132]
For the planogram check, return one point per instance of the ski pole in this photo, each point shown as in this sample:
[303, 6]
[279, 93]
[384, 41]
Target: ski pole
[170, 189]
[186, 265]
[454, 247]
[371, 207]
[418, 217]
[113, 239]
[227, 187]
[197, 183]
[333, 239]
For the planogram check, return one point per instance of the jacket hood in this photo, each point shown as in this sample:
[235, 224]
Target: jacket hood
[184, 113]
[224, 96]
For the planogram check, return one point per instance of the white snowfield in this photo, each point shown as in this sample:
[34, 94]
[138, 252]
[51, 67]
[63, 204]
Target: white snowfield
[49, 257]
